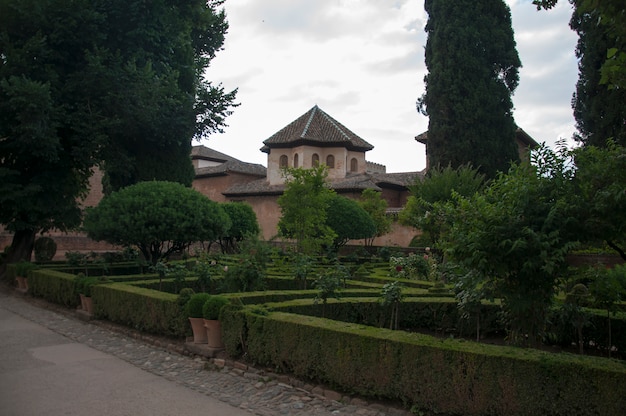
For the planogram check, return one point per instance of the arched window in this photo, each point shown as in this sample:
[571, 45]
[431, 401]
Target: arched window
[315, 160]
[283, 162]
[354, 165]
[330, 161]
[296, 161]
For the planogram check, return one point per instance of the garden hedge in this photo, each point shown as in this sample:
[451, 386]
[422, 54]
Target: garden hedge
[440, 375]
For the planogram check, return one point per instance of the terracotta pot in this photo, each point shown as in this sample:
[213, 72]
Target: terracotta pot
[199, 331]
[82, 302]
[22, 283]
[214, 333]
[88, 304]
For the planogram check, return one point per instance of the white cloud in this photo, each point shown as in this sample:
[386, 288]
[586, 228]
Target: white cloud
[362, 61]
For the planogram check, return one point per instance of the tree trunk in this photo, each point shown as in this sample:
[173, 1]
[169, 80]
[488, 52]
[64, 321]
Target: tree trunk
[21, 249]
[617, 248]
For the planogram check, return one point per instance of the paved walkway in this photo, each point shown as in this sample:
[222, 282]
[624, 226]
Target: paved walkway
[53, 363]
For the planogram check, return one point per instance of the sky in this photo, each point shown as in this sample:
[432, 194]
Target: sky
[362, 62]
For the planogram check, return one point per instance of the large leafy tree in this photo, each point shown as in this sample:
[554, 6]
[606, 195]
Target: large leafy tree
[426, 209]
[472, 72]
[159, 218]
[49, 133]
[376, 206]
[154, 96]
[304, 204]
[112, 82]
[348, 220]
[243, 224]
[599, 111]
[600, 194]
[515, 237]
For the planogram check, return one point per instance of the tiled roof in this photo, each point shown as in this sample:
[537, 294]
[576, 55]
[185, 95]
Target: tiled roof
[203, 152]
[358, 182]
[234, 166]
[227, 164]
[317, 128]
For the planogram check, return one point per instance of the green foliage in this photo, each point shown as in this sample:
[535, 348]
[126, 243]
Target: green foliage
[413, 266]
[45, 248]
[115, 83]
[212, 307]
[599, 195]
[426, 207]
[23, 268]
[193, 308]
[472, 72]
[329, 281]
[159, 218]
[303, 267]
[376, 206]
[243, 223]
[348, 220]
[304, 204]
[598, 110]
[248, 273]
[391, 295]
[516, 236]
[184, 296]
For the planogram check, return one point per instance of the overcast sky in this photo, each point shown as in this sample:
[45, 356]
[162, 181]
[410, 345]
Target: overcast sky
[362, 62]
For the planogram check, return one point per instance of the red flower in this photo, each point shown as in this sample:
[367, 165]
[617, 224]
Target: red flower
[398, 268]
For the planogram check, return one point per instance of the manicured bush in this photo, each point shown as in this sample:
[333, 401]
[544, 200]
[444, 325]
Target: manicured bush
[213, 305]
[194, 306]
[45, 248]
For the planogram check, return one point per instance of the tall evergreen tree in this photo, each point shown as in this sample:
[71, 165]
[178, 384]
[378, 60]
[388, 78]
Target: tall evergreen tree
[599, 111]
[473, 70]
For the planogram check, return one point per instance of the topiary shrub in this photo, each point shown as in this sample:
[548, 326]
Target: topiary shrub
[45, 248]
[212, 307]
[193, 309]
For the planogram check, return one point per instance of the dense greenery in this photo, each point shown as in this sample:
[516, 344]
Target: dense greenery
[243, 222]
[472, 72]
[348, 220]
[376, 206]
[599, 111]
[159, 218]
[304, 204]
[112, 83]
[514, 238]
[426, 205]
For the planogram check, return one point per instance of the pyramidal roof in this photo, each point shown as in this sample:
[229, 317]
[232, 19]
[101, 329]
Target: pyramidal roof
[316, 128]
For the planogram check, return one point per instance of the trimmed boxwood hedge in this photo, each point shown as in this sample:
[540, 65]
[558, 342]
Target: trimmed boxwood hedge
[438, 375]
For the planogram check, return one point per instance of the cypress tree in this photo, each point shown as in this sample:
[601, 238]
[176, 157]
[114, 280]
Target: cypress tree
[599, 111]
[473, 70]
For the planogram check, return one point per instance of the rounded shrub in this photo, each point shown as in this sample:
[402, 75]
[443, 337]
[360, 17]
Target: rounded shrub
[45, 248]
[212, 307]
[194, 306]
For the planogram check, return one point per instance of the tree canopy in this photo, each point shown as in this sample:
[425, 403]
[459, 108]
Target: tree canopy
[472, 72]
[599, 111]
[116, 83]
[515, 237]
[348, 220]
[243, 222]
[159, 218]
[426, 206]
[376, 206]
[303, 205]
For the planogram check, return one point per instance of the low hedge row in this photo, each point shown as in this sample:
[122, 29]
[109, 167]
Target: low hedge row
[141, 309]
[447, 376]
[54, 286]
